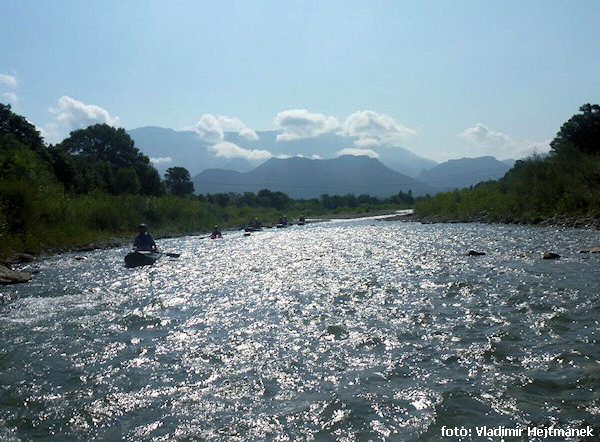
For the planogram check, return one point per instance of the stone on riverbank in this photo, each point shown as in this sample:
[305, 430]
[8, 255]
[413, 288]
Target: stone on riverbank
[550, 255]
[8, 276]
[590, 250]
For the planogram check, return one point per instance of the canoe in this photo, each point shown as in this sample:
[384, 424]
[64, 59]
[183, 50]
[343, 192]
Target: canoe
[137, 259]
[215, 236]
[281, 226]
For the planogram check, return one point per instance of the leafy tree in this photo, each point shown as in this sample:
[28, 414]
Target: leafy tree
[277, 200]
[150, 179]
[104, 142]
[24, 131]
[178, 181]
[582, 131]
[127, 181]
[100, 145]
[221, 199]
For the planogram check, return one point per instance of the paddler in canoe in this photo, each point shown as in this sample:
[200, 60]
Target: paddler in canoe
[144, 242]
[216, 233]
[254, 225]
[144, 251]
[283, 222]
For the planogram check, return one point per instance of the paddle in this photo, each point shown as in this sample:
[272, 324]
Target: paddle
[169, 254]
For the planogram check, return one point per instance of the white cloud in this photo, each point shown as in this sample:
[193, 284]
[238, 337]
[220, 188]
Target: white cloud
[71, 114]
[300, 123]
[234, 124]
[529, 148]
[357, 152]
[74, 114]
[161, 160]
[485, 141]
[212, 128]
[226, 149]
[209, 129]
[312, 157]
[373, 129]
[8, 80]
[11, 98]
[480, 135]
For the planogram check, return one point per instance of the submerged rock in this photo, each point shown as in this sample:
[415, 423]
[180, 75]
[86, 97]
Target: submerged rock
[550, 255]
[8, 276]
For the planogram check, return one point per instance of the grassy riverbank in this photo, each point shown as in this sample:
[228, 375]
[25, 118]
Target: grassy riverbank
[52, 221]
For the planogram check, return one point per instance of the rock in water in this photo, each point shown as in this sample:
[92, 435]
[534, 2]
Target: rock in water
[8, 276]
[590, 250]
[475, 253]
[550, 255]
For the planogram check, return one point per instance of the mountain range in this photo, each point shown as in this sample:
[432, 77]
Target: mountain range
[290, 170]
[307, 178]
[169, 148]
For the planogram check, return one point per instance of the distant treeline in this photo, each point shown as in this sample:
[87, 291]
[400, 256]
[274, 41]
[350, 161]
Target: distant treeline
[96, 184]
[562, 183]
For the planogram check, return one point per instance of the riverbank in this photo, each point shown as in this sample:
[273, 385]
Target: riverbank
[17, 258]
[583, 221]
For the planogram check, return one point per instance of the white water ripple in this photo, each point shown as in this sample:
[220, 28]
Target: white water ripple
[349, 330]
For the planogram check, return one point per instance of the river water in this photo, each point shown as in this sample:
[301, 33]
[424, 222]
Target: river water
[346, 330]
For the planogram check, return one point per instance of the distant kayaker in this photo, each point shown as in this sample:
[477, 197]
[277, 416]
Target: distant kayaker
[282, 220]
[301, 220]
[144, 242]
[216, 233]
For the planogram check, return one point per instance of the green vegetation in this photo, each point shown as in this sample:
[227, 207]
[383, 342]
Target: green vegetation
[97, 185]
[564, 183]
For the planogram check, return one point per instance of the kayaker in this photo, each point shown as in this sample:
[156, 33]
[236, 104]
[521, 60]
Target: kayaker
[216, 233]
[283, 220]
[301, 220]
[144, 242]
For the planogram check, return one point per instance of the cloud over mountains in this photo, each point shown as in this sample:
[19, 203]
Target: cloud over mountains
[297, 124]
[373, 129]
[369, 127]
[487, 141]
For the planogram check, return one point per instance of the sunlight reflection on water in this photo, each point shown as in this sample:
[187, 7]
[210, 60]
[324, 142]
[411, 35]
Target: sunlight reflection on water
[348, 330]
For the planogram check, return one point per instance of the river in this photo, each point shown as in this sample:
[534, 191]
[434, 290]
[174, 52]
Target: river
[345, 330]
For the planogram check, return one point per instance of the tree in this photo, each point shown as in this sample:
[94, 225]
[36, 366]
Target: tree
[102, 144]
[24, 131]
[127, 181]
[581, 131]
[178, 181]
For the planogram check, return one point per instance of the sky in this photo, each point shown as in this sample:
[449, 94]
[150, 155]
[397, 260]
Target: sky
[444, 79]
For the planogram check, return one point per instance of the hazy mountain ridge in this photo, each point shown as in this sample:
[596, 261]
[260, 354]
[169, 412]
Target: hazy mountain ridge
[186, 149]
[464, 172]
[306, 178]
[171, 148]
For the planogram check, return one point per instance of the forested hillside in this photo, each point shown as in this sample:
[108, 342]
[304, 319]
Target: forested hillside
[562, 185]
